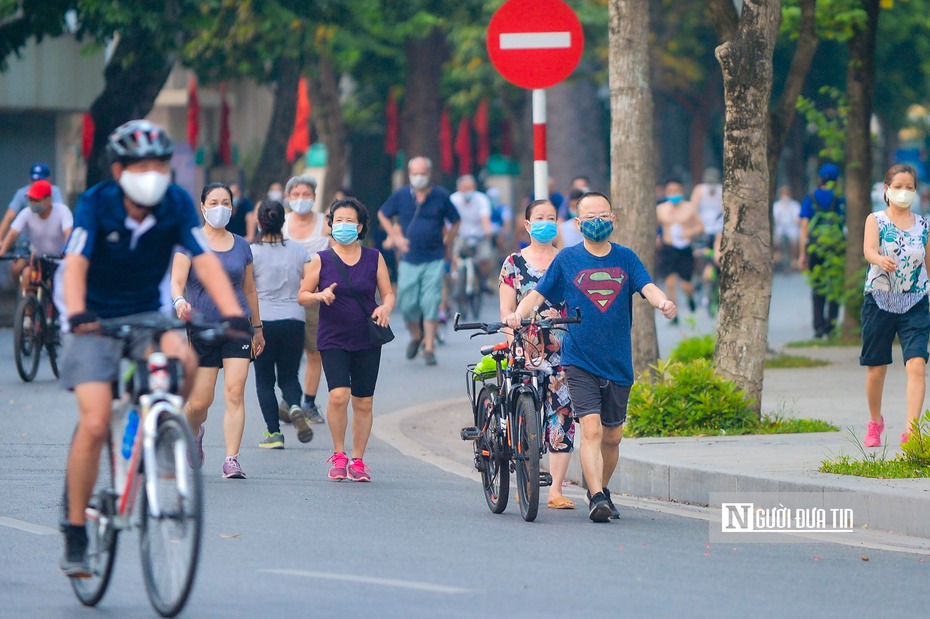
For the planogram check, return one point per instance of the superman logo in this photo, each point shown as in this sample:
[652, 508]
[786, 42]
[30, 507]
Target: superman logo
[602, 286]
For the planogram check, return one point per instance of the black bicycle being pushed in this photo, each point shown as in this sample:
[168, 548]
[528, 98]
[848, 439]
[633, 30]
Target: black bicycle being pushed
[509, 412]
[148, 464]
[35, 321]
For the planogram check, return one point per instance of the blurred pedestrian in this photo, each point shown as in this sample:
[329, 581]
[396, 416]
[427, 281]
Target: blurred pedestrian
[232, 355]
[568, 231]
[242, 207]
[821, 211]
[707, 197]
[786, 214]
[415, 218]
[279, 267]
[343, 280]
[680, 223]
[895, 247]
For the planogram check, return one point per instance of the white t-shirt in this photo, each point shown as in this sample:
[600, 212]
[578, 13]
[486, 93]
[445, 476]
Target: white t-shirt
[314, 243]
[786, 214]
[46, 235]
[710, 208]
[471, 213]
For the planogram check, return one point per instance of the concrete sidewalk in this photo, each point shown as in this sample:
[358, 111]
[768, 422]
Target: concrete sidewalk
[688, 470]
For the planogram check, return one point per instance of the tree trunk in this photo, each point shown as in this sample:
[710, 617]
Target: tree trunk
[327, 119]
[746, 251]
[422, 101]
[632, 175]
[860, 83]
[272, 165]
[783, 113]
[133, 78]
[573, 110]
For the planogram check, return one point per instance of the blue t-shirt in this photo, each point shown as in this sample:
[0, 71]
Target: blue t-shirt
[825, 202]
[234, 260]
[126, 265]
[602, 288]
[425, 232]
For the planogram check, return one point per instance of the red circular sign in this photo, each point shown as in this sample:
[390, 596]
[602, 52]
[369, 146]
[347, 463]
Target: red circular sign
[535, 43]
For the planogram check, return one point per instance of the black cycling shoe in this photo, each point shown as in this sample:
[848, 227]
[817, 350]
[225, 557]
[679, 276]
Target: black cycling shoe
[599, 508]
[614, 512]
[413, 348]
[74, 563]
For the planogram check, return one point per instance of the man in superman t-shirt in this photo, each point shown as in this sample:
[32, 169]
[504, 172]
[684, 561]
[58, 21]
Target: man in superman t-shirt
[599, 278]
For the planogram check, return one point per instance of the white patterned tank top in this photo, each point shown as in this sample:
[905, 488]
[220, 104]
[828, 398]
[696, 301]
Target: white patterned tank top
[900, 290]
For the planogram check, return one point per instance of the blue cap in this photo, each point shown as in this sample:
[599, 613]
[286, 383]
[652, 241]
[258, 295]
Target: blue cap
[39, 171]
[829, 172]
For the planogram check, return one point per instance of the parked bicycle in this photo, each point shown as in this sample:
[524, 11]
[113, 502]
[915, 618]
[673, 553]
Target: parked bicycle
[509, 413]
[35, 320]
[149, 448]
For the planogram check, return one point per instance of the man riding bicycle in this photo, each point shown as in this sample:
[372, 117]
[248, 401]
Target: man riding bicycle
[47, 224]
[118, 252]
[474, 232]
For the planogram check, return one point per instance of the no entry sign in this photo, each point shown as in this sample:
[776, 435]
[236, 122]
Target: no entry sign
[535, 43]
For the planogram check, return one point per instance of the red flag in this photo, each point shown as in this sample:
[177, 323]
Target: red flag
[445, 142]
[481, 128]
[87, 135]
[225, 152]
[391, 145]
[463, 146]
[299, 142]
[506, 139]
[193, 113]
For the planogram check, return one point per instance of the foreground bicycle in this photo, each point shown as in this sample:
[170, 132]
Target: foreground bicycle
[35, 321]
[150, 447]
[509, 414]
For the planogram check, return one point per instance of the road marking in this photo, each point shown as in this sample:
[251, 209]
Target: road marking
[370, 580]
[536, 40]
[28, 527]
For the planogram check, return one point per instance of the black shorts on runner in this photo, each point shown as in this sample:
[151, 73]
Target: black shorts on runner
[211, 354]
[676, 261]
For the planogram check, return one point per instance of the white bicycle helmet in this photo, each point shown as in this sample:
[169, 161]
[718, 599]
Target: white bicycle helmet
[139, 139]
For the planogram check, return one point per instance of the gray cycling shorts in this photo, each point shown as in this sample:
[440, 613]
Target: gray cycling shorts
[88, 359]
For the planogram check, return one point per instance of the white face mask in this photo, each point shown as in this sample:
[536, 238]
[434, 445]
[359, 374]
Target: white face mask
[144, 188]
[419, 181]
[218, 216]
[901, 198]
[302, 206]
[275, 195]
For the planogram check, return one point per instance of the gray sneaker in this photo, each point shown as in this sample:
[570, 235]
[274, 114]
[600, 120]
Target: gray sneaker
[430, 357]
[312, 413]
[272, 440]
[301, 425]
[283, 409]
[74, 563]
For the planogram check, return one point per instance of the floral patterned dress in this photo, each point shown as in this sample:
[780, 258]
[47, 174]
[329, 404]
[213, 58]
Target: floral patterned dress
[519, 275]
[900, 290]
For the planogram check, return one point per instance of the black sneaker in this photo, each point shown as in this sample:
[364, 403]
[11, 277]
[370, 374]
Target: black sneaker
[691, 304]
[312, 413]
[74, 563]
[599, 508]
[413, 348]
[430, 357]
[614, 512]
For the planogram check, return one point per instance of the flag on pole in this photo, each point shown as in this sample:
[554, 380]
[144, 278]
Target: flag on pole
[193, 113]
[87, 135]
[299, 142]
[481, 128]
[391, 142]
[445, 143]
[463, 147]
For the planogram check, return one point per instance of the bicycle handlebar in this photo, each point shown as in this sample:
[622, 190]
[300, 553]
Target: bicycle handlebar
[494, 327]
[156, 323]
[48, 257]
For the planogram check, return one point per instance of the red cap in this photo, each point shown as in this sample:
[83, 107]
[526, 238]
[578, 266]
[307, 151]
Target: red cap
[39, 190]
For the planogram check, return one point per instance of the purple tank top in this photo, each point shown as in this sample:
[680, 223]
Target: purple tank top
[343, 325]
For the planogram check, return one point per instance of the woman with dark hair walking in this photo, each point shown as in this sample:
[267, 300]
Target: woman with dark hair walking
[279, 267]
[343, 280]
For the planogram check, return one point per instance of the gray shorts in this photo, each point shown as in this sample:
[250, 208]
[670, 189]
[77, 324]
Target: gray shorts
[89, 359]
[593, 395]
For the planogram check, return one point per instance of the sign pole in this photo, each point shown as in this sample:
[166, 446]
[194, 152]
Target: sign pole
[540, 158]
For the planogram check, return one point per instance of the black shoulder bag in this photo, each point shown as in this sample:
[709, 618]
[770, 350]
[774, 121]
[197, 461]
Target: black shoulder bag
[378, 335]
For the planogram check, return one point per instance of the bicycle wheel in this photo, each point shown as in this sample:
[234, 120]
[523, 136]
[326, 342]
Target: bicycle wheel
[101, 534]
[491, 452]
[27, 347]
[172, 526]
[526, 455]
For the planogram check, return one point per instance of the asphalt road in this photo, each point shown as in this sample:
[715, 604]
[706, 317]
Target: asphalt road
[418, 541]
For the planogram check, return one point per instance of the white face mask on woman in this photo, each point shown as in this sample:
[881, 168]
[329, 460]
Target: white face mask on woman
[217, 216]
[901, 198]
[144, 188]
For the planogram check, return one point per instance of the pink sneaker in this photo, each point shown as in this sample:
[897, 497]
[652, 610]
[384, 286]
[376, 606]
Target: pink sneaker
[873, 434]
[358, 471]
[338, 470]
[904, 437]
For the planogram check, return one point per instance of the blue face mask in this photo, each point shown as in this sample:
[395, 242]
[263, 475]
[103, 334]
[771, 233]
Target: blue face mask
[597, 230]
[345, 233]
[676, 199]
[543, 231]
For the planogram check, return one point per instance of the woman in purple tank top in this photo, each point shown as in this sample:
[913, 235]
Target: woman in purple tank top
[343, 280]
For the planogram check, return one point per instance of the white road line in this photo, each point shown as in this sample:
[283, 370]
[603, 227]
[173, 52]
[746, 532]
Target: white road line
[369, 580]
[28, 527]
[536, 40]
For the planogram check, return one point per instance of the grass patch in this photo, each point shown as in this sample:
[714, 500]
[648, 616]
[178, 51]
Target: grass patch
[779, 424]
[831, 342]
[877, 468]
[782, 361]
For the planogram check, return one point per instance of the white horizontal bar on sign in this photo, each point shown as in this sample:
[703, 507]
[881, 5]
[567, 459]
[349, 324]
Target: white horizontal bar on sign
[536, 40]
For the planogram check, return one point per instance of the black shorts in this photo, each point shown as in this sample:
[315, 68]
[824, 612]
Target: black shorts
[211, 354]
[356, 369]
[880, 327]
[674, 261]
[593, 395]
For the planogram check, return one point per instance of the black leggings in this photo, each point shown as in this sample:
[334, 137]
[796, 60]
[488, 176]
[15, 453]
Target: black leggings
[284, 345]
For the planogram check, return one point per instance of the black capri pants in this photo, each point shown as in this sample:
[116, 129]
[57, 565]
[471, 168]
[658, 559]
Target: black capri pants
[356, 369]
[284, 347]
